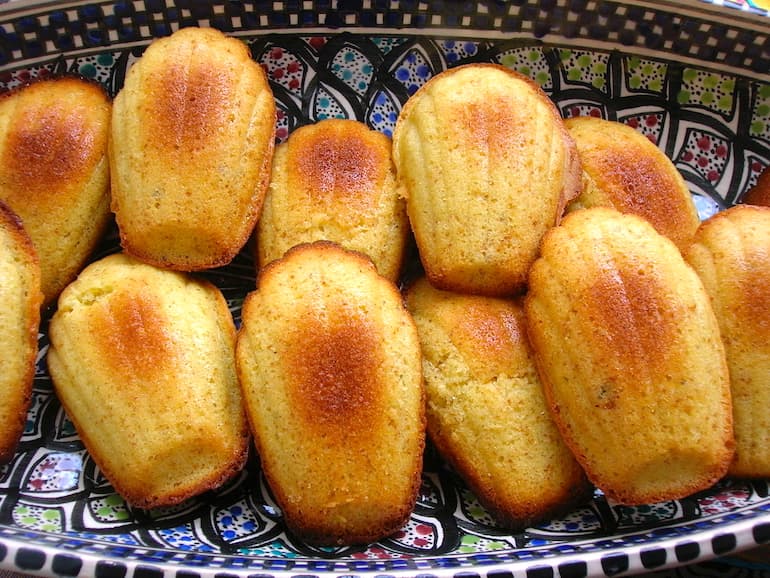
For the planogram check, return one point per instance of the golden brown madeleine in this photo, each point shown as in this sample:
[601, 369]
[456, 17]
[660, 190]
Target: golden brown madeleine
[487, 167]
[143, 361]
[631, 358]
[191, 145]
[19, 324]
[731, 253]
[54, 171]
[329, 363]
[334, 180]
[486, 411]
[624, 170]
[759, 193]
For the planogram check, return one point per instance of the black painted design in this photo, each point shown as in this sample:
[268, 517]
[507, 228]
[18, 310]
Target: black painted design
[540, 572]
[653, 558]
[110, 569]
[66, 565]
[723, 543]
[615, 564]
[573, 570]
[30, 559]
[761, 533]
[687, 551]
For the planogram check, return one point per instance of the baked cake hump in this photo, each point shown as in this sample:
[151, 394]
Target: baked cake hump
[191, 146]
[21, 297]
[334, 180]
[54, 171]
[143, 361]
[625, 170]
[329, 362]
[631, 357]
[487, 167]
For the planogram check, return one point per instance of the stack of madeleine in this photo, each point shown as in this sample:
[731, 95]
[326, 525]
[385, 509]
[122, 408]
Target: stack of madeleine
[571, 324]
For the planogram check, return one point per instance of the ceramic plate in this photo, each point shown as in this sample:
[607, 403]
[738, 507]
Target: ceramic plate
[692, 76]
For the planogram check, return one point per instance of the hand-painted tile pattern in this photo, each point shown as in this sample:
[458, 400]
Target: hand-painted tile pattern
[714, 121]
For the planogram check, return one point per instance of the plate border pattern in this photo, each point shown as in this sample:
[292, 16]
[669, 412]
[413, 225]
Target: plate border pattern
[688, 30]
[148, 563]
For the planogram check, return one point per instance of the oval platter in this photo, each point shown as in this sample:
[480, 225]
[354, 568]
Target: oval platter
[694, 76]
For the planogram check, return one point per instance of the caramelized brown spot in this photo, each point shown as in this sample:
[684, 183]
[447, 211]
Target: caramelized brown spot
[492, 339]
[759, 194]
[135, 342]
[334, 361]
[492, 127]
[338, 165]
[191, 105]
[631, 328]
[47, 146]
[754, 306]
[637, 185]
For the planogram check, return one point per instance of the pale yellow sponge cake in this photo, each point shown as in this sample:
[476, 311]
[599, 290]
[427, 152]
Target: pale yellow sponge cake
[191, 146]
[19, 324]
[631, 358]
[487, 167]
[731, 253]
[486, 411]
[625, 170]
[334, 180]
[143, 361]
[759, 192]
[329, 362]
[54, 171]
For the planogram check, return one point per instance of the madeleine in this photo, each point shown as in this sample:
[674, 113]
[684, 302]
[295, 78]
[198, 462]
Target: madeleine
[54, 171]
[329, 363]
[631, 357]
[730, 253]
[143, 361]
[487, 167]
[191, 147]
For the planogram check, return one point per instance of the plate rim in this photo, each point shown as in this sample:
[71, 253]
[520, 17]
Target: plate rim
[751, 530]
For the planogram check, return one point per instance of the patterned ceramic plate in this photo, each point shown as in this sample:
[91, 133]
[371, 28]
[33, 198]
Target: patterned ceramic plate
[692, 76]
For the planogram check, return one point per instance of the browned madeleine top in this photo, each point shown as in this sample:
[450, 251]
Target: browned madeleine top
[54, 172]
[55, 132]
[624, 170]
[339, 159]
[334, 180]
[486, 167]
[332, 361]
[339, 333]
[329, 361]
[191, 148]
